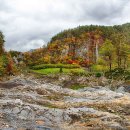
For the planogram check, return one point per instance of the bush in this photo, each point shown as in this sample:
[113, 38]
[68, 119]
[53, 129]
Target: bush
[98, 75]
[127, 77]
[2, 65]
[79, 73]
[98, 68]
[118, 73]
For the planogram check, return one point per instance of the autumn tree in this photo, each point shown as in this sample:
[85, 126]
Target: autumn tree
[2, 57]
[72, 42]
[1, 43]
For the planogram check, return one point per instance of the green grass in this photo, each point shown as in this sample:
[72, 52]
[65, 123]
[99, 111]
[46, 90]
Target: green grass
[57, 70]
[44, 66]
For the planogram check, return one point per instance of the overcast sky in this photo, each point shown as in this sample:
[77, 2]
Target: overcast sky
[29, 24]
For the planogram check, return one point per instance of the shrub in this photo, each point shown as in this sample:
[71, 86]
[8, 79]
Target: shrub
[99, 68]
[79, 73]
[72, 61]
[2, 65]
[98, 75]
[85, 63]
[118, 73]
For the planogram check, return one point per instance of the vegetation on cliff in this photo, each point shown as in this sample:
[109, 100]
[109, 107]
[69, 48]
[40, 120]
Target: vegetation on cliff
[100, 48]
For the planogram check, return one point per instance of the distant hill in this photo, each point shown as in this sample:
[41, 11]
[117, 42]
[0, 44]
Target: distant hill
[106, 30]
[83, 44]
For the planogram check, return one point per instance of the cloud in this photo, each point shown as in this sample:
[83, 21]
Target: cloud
[25, 45]
[28, 24]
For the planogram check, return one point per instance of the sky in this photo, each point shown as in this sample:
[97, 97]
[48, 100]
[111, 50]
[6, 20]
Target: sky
[30, 24]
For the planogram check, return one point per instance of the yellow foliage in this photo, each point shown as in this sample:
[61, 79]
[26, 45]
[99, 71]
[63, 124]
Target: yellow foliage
[99, 68]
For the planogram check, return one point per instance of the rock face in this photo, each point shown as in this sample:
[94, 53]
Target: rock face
[32, 105]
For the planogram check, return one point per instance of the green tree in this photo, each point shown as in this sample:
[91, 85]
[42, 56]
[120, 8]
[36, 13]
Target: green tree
[124, 52]
[119, 39]
[107, 51]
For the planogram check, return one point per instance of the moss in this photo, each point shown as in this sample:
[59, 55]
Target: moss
[77, 86]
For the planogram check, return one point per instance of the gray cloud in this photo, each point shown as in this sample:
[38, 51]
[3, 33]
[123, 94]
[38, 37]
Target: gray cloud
[28, 24]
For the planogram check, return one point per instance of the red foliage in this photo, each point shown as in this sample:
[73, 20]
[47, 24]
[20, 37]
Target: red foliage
[85, 63]
[9, 67]
[72, 61]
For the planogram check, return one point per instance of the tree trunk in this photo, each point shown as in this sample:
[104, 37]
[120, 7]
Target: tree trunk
[73, 51]
[125, 59]
[110, 63]
[120, 62]
[97, 54]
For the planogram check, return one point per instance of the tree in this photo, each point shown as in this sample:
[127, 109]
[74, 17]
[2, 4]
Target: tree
[9, 67]
[1, 43]
[124, 52]
[120, 40]
[107, 51]
[2, 63]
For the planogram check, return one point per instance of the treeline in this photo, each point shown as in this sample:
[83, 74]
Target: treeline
[100, 46]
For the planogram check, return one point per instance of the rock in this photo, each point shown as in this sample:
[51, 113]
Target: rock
[121, 89]
[16, 110]
[35, 105]
[42, 128]
[1, 94]
[41, 91]
[127, 89]
[116, 127]
[36, 128]
[128, 127]
[18, 101]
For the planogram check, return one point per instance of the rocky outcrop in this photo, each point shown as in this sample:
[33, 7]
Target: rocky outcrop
[31, 104]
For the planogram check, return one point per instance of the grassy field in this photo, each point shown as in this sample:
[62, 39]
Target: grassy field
[44, 66]
[57, 70]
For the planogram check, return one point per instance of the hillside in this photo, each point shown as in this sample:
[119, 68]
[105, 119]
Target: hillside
[107, 31]
[87, 46]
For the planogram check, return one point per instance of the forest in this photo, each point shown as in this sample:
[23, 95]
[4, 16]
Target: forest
[96, 48]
